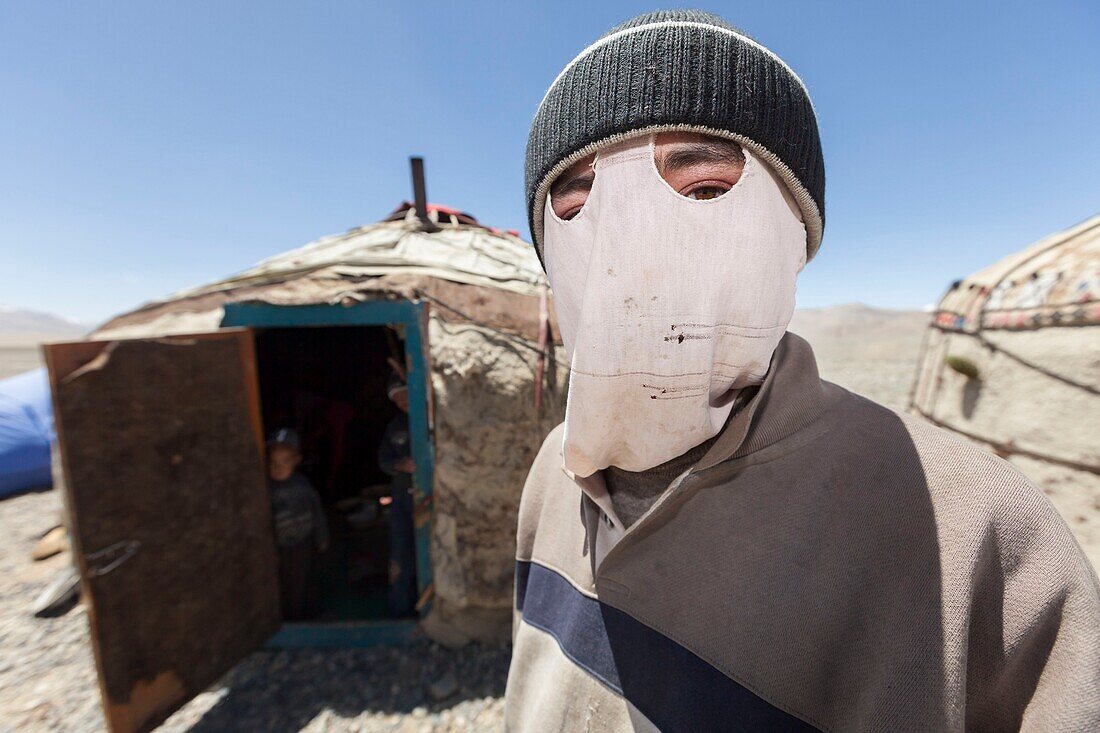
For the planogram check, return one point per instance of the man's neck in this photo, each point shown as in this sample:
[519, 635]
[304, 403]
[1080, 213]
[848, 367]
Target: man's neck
[634, 492]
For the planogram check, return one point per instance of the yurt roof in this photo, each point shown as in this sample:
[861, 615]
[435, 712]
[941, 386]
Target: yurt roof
[397, 257]
[460, 252]
[1055, 281]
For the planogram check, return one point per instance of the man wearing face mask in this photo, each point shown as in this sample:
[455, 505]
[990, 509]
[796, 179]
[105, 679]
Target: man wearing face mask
[716, 539]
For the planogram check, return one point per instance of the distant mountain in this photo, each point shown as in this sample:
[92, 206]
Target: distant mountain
[22, 328]
[857, 320]
[872, 351]
[853, 333]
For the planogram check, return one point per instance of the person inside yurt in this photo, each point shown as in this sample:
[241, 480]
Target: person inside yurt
[395, 459]
[301, 529]
[327, 388]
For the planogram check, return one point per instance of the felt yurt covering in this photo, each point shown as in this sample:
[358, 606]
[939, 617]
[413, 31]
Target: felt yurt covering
[1012, 360]
[485, 294]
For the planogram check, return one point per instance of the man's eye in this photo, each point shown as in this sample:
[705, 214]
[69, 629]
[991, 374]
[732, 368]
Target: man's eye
[703, 193]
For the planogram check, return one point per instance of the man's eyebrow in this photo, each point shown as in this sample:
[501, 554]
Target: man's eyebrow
[704, 151]
[571, 183]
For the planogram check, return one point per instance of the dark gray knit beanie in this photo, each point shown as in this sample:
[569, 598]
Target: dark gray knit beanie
[679, 70]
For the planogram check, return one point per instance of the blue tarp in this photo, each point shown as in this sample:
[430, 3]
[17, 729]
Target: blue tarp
[26, 431]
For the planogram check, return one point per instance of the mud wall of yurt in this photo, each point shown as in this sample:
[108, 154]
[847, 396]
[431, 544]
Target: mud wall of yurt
[487, 432]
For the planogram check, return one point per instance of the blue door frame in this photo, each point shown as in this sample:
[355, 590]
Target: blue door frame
[413, 316]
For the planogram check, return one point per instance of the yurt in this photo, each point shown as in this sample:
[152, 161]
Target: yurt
[1011, 360]
[162, 416]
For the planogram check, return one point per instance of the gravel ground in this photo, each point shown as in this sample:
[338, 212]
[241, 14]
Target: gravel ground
[47, 679]
[48, 682]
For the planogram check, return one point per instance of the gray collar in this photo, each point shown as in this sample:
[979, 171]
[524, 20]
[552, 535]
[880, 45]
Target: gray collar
[791, 397]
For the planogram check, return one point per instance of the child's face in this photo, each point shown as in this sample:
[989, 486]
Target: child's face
[281, 462]
[401, 399]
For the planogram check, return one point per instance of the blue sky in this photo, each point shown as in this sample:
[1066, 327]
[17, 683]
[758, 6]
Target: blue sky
[146, 147]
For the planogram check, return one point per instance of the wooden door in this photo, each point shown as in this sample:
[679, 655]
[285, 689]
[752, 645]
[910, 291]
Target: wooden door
[162, 453]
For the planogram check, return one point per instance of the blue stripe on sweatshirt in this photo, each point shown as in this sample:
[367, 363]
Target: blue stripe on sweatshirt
[667, 683]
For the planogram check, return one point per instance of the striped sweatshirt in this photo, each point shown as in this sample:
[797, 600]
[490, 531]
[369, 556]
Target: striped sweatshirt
[828, 565]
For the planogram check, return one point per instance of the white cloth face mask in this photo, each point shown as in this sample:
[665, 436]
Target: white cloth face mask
[667, 305]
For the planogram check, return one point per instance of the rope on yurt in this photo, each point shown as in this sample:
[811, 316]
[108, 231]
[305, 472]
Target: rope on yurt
[1020, 360]
[506, 334]
[1009, 450]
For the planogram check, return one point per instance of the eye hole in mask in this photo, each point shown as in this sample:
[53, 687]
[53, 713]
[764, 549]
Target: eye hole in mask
[698, 167]
[570, 190]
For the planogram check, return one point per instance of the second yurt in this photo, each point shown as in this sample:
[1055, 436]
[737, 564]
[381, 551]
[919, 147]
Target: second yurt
[1012, 360]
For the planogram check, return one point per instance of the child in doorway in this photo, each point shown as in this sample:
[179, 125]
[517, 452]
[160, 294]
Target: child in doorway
[301, 530]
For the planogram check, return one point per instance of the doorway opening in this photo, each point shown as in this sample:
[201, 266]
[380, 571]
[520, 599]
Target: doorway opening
[329, 384]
